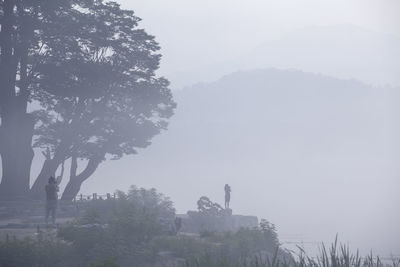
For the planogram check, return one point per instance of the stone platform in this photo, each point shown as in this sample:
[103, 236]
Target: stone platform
[198, 222]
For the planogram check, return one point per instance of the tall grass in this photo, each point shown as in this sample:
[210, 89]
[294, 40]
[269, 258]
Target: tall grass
[338, 255]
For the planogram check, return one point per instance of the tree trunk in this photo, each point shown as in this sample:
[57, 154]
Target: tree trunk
[7, 70]
[49, 168]
[17, 155]
[75, 182]
[17, 126]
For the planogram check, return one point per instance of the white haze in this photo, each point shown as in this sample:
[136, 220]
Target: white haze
[313, 168]
[197, 35]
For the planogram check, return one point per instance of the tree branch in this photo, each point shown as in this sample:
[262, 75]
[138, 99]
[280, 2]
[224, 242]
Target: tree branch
[74, 167]
[90, 168]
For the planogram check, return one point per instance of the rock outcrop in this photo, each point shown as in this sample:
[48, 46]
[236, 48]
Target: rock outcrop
[198, 222]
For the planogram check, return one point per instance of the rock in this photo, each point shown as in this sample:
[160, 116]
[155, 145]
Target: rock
[196, 222]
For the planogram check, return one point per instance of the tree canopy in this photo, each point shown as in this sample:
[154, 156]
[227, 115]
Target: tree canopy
[92, 70]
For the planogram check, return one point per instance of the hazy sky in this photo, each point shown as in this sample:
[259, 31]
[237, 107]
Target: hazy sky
[200, 32]
[195, 33]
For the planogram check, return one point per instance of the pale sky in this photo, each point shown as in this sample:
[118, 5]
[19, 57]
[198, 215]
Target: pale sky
[195, 33]
[200, 32]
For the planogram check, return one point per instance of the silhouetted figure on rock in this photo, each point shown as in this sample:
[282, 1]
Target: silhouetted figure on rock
[51, 199]
[227, 196]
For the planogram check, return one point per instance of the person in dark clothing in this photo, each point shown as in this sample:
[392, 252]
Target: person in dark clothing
[51, 199]
[227, 195]
[178, 224]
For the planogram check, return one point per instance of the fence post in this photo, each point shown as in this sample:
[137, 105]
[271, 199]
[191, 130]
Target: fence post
[81, 197]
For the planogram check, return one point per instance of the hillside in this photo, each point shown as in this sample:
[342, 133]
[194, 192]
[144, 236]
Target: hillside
[343, 51]
[331, 145]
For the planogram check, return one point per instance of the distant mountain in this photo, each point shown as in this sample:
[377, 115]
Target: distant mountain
[343, 51]
[254, 113]
[300, 149]
[276, 126]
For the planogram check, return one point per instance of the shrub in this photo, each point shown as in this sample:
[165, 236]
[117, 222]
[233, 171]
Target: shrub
[122, 227]
[43, 251]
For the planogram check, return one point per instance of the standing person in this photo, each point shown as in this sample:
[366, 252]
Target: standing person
[51, 199]
[227, 196]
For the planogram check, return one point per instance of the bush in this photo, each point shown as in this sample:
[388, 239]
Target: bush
[43, 251]
[228, 247]
[136, 229]
[181, 246]
[121, 228]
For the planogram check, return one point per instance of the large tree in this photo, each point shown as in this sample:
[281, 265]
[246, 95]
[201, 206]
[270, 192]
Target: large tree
[22, 22]
[95, 79]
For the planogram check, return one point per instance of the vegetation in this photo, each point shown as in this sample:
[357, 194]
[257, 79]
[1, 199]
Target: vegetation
[43, 251]
[121, 228]
[47, 251]
[336, 256]
[92, 71]
[137, 229]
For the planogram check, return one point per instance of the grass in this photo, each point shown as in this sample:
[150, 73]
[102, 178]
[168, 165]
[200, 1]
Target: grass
[338, 255]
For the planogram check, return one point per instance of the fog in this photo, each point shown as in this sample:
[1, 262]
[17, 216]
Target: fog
[294, 104]
[199, 35]
[327, 165]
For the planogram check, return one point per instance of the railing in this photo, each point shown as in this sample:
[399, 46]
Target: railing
[25, 209]
[94, 196]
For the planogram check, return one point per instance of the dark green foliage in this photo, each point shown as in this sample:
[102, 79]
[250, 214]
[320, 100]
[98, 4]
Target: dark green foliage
[107, 263]
[247, 242]
[335, 257]
[99, 91]
[339, 255]
[45, 251]
[137, 229]
[121, 228]
[110, 99]
[92, 70]
[227, 248]
[207, 207]
[186, 247]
